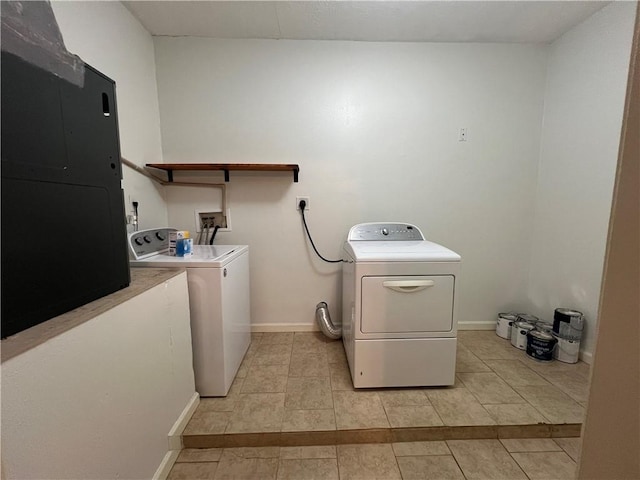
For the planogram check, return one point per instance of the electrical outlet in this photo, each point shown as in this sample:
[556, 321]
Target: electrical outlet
[213, 218]
[306, 207]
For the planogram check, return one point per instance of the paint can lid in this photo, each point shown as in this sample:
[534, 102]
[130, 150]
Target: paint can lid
[525, 325]
[566, 314]
[541, 335]
[525, 317]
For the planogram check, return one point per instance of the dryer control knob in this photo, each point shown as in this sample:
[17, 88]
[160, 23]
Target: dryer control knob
[147, 239]
[160, 236]
[385, 231]
[138, 241]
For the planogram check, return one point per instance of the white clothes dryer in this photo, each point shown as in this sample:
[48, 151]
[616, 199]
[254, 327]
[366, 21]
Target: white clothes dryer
[399, 307]
[219, 302]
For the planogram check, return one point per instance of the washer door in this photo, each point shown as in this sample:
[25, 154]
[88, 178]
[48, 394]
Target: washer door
[407, 304]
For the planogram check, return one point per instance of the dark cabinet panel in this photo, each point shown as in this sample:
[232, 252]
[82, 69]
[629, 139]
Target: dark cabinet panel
[63, 226]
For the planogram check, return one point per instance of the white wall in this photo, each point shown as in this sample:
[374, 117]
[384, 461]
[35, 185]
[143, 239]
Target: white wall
[107, 37]
[99, 400]
[374, 127]
[584, 100]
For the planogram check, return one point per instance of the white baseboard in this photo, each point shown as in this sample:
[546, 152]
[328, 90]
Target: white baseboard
[477, 325]
[175, 434]
[166, 465]
[586, 357]
[175, 438]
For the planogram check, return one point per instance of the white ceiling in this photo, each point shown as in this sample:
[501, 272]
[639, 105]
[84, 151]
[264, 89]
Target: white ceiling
[518, 21]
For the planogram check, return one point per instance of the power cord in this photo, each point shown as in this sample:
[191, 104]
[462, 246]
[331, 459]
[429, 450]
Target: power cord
[302, 206]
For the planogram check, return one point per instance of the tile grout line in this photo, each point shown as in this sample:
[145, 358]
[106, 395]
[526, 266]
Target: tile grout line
[516, 462]
[455, 459]
[395, 456]
[478, 399]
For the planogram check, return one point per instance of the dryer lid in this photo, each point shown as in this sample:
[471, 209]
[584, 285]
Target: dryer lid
[397, 251]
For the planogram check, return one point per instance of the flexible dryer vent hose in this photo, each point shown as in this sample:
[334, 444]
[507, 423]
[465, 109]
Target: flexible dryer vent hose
[324, 322]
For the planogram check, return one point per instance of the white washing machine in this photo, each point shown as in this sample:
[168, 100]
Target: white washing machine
[399, 308]
[219, 301]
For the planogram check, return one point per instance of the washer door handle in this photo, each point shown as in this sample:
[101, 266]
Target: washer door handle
[408, 286]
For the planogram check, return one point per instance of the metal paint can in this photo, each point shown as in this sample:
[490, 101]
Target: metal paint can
[540, 345]
[519, 332]
[568, 323]
[504, 323]
[567, 350]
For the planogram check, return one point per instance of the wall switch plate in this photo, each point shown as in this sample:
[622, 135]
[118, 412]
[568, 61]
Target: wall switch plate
[306, 199]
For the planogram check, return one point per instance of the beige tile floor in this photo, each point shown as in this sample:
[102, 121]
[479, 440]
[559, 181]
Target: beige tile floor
[300, 382]
[533, 459]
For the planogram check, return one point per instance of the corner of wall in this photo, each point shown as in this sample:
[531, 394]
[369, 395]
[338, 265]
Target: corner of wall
[575, 178]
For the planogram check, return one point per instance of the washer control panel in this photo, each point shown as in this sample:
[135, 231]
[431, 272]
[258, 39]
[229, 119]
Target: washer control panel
[385, 232]
[145, 243]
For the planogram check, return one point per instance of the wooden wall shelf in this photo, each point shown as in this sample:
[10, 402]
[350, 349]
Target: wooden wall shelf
[225, 167]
